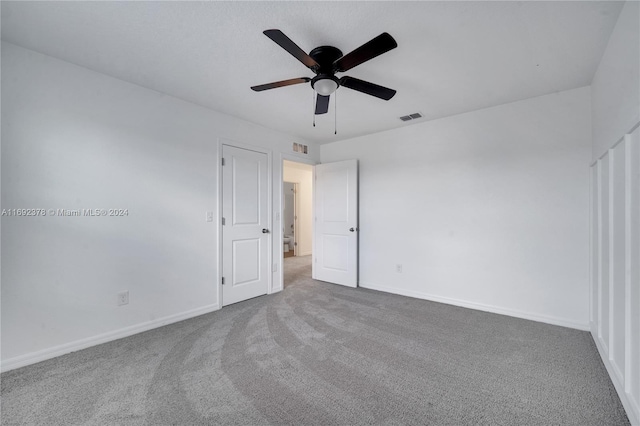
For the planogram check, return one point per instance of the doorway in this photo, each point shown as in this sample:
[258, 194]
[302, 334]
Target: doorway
[297, 220]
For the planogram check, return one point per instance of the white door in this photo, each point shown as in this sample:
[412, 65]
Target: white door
[336, 223]
[245, 231]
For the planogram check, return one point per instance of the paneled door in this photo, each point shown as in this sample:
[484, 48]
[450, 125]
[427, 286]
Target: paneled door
[245, 230]
[336, 223]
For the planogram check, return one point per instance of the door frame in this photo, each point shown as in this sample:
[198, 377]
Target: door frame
[278, 239]
[296, 221]
[296, 185]
[219, 228]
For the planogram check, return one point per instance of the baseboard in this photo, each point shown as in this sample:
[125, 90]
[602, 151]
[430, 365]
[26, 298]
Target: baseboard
[305, 253]
[617, 372]
[632, 409]
[42, 355]
[603, 346]
[593, 328]
[479, 306]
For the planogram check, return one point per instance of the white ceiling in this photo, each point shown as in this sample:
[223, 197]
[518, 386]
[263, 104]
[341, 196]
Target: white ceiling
[452, 57]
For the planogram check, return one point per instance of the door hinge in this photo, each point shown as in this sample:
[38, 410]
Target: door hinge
[222, 280]
[223, 161]
[223, 221]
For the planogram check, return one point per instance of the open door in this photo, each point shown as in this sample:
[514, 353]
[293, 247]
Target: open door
[336, 223]
[245, 230]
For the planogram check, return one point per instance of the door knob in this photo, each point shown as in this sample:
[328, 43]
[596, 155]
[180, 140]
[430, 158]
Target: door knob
[265, 231]
[353, 229]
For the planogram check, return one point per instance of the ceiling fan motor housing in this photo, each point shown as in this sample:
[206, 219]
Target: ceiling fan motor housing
[325, 56]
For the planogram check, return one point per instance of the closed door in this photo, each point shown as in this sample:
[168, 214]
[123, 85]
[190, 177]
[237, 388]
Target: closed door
[245, 231]
[336, 223]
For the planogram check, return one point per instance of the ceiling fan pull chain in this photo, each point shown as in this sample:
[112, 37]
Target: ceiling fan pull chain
[313, 104]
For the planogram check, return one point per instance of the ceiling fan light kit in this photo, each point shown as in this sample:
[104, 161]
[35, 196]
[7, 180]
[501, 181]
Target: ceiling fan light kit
[326, 61]
[325, 84]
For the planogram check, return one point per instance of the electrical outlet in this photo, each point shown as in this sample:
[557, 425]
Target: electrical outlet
[123, 298]
[209, 216]
[399, 268]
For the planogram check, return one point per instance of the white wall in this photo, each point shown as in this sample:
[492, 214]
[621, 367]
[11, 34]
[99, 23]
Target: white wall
[303, 175]
[615, 89]
[487, 209]
[615, 209]
[75, 139]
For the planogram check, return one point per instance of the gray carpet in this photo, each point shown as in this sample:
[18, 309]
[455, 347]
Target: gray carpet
[322, 354]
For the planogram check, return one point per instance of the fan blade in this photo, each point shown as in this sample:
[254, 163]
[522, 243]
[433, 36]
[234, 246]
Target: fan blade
[288, 45]
[281, 84]
[322, 104]
[368, 88]
[377, 46]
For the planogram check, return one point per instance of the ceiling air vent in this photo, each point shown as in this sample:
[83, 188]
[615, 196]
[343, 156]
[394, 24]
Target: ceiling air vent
[409, 117]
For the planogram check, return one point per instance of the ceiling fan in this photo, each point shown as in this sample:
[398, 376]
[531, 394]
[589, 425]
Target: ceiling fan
[326, 61]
